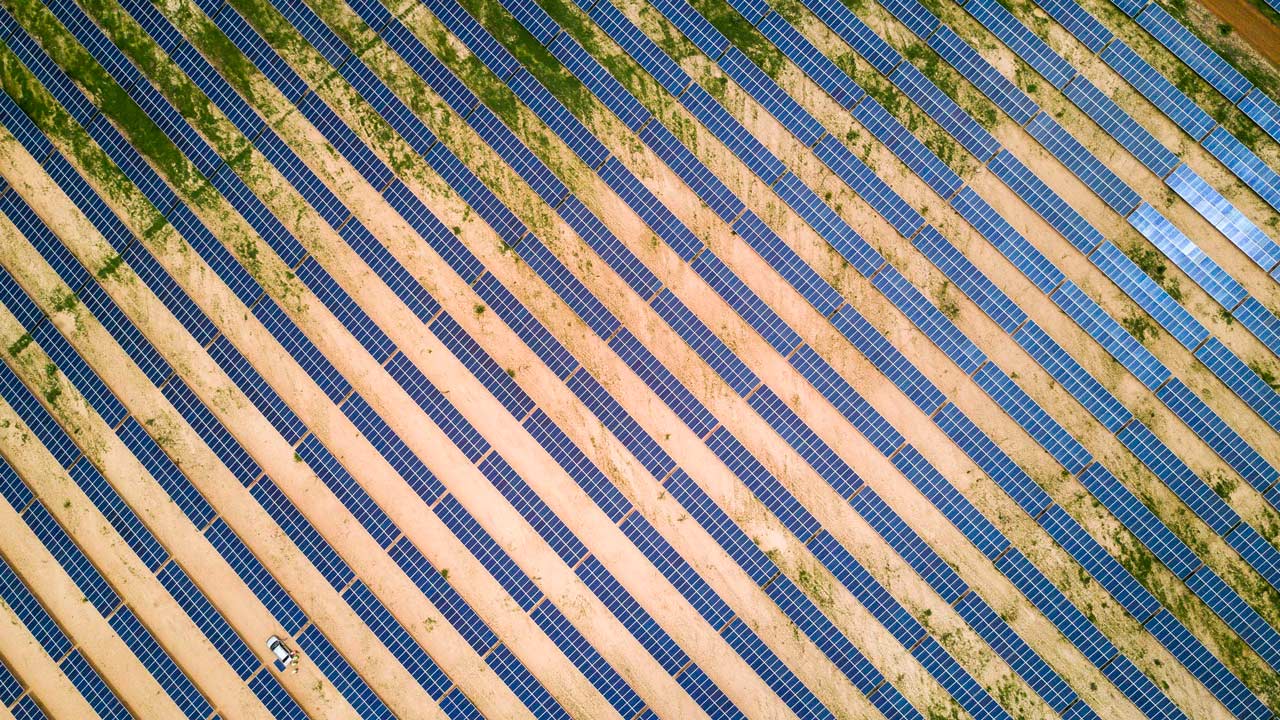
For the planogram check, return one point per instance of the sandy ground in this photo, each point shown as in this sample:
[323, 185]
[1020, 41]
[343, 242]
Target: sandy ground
[89, 631]
[1261, 34]
[37, 671]
[513, 533]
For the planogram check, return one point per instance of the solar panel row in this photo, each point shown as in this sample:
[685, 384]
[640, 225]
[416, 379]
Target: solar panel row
[768, 245]
[1127, 336]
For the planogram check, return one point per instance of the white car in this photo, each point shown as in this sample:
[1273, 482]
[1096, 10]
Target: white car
[284, 658]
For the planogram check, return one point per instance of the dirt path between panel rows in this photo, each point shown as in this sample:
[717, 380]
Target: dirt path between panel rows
[1249, 22]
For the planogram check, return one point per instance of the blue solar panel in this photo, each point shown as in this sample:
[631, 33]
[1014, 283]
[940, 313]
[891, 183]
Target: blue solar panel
[888, 359]
[451, 606]
[907, 147]
[809, 59]
[533, 509]
[251, 571]
[1208, 669]
[1152, 298]
[852, 30]
[1194, 52]
[1262, 110]
[759, 314]
[929, 319]
[763, 484]
[570, 289]
[633, 40]
[299, 529]
[1225, 217]
[909, 545]
[1251, 170]
[944, 111]
[830, 466]
[705, 601]
[846, 400]
[695, 27]
[1097, 399]
[601, 84]
[824, 634]
[663, 383]
[774, 99]
[824, 298]
[1054, 605]
[1242, 380]
[729, 131]
[339, 672]
[969, 279]
[984, 76]
[1261, 322]
[1143, 523]
[558, 118]
[1111, 335]
[870, 186]
[870, 593]
[398, 641]
[161, 666]
[348, 491]
[1162, 461]
[614, 417]
[1102, 567]
[209, 620]
[686, 164]
[1027, 412]
[710, 348]
[93, 688]
[639, 623]
[78, 372]
[491, 375]
[986, 220]
[624, 262]
[953, 504]
[534, 334]
[1156, 88]
[1120, 125]
[1257, 551]
[585, 657]
[1083, 164]
[1218, 434]
[1139, 688]
[10, 688]
[1028, 46]
[843, 239]
[1247, 623]
[1020, 656]
[992, 460]
[771, 669]
[962, 686]
[1187, 255]
[275, 697]
[175, 483]
[72, 559]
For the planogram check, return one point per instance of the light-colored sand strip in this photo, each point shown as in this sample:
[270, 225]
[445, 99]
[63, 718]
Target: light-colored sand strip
[29, 662]
[88, 631]
[238, 507]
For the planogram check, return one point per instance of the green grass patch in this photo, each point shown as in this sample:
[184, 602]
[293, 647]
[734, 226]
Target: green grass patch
[17, 346]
